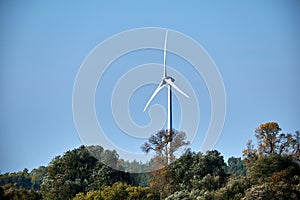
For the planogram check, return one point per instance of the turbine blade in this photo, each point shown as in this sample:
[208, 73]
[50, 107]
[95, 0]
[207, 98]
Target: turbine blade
[168, 81]
[165, 53]
[159, 87]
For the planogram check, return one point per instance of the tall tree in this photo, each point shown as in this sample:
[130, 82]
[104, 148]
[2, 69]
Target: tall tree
[165, 144]
[268, 138]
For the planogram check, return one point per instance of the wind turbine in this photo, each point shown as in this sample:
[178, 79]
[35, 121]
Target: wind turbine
[169, 82]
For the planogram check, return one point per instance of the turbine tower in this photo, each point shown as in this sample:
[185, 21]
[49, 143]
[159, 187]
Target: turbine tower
[166, 81]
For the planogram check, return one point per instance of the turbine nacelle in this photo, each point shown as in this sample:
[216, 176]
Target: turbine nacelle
[168, 77]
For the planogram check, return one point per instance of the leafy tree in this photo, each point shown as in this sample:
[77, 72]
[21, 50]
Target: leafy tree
[196, 172]
[266, 166]
[267, 134]
[262, 191]
[180, 172]
[234, 189]
[271, 141]
[136, 193]
[118, 191]
[180, 195]
[158, 182]
[90, 195]
[211, 163]
[69, 174]
[236, 166]
[165, 144]
[209, 183]
[267, 191]
[250, 154]
[78, 171]
[11, 192]
[19, 180]
[37, 176]
[102, 175]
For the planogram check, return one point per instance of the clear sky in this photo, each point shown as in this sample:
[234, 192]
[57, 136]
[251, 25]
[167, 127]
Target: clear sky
[255, 45]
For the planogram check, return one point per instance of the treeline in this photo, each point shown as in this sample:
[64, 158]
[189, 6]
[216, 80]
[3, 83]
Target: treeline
[269, 170]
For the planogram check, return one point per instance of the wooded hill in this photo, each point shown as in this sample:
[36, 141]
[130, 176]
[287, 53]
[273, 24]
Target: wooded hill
[269, 169]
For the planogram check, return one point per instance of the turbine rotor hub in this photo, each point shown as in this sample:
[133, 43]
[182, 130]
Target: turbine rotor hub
[169, 77]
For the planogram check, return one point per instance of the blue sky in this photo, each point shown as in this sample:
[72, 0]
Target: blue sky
[255, 45]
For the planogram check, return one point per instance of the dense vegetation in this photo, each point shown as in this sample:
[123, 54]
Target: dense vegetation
[269, 169]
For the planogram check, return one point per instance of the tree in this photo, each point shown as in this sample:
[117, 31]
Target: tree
[271, 141]
[266, 166]
[236, 166]
[250, 154]
[69, 174]
[268, 191]
[165, 144]
[19, 179]
[11, 192]
[180, 172]
[37, 176]
[158, 182]
[102, 175]
[179, 195]
[296, 147]
[78, 171]
[211, 163]
[234, 189]
[195, 172]
[119, 191]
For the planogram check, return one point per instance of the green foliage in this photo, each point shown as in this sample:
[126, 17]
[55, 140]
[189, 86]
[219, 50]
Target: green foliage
[119, 191]
[78, 171]
[68, 175]
[11, 192]
[234, 189]
[236, 166]
[280, 191]
[263, 169]
[37, 176]
[196, 172]
[213, 164]
[103, 175]
[24, 179]
[91, 195]
[19, 180]
[180, 172]
[180, 195]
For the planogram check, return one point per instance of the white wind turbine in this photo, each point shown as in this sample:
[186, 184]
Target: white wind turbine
[167, 81]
